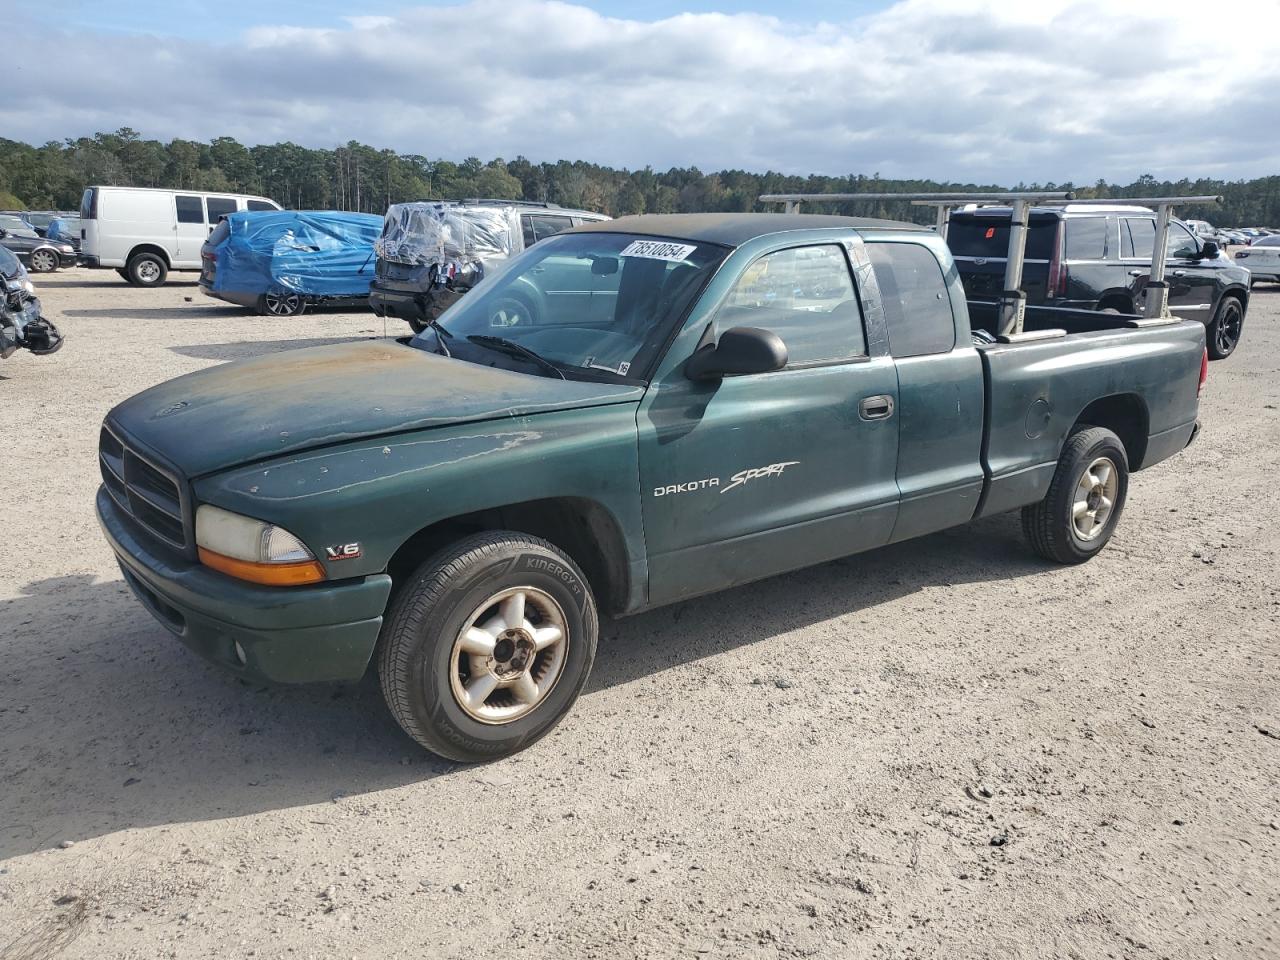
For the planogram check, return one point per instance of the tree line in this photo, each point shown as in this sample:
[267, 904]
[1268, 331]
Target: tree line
[363, 178]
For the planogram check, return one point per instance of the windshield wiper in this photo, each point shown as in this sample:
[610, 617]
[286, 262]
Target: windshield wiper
[441, 334]
[513, 349]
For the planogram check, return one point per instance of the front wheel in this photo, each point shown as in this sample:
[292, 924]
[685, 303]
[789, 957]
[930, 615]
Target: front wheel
[1224, 332]
[487, 646]
[1086, 496]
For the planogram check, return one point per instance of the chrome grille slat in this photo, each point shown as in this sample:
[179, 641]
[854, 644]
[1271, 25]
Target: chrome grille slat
[148, 494]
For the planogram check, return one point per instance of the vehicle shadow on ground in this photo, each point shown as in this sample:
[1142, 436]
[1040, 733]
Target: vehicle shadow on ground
[157, 313]
[243, 349]
[53, 280]
[110, 724]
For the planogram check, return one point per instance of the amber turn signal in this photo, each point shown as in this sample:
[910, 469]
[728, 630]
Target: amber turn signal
[271, 574]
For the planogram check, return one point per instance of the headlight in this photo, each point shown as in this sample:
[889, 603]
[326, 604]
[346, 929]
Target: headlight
[252, 550]
[66, 248]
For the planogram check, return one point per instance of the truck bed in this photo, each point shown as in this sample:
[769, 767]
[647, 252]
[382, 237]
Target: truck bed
[1143, 375]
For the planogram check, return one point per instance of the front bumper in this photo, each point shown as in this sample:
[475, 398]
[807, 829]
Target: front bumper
[287, 634]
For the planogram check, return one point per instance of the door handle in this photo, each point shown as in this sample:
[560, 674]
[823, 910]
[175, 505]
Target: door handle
[876, 408]
[1137, 273]
[1179, 273]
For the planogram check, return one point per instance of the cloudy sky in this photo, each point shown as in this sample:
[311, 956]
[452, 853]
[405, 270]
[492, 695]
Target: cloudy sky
[1018, 90]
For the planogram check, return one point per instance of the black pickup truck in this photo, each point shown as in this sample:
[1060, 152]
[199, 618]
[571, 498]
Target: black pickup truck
[1093, 257]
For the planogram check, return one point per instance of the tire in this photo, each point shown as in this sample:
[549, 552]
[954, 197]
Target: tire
[431, 652]
[513, 311]
[281, 304]
[1223, 334]
[1052, 527]
[146, 270]
[44, 261]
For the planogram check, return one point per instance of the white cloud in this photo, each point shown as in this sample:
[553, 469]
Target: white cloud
[1051, 90]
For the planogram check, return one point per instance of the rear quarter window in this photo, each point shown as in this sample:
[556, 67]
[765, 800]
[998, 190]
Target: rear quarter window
[917, 307]
[1086, 238]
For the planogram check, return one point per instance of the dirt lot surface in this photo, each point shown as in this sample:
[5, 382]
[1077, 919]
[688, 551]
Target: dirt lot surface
[944, 749]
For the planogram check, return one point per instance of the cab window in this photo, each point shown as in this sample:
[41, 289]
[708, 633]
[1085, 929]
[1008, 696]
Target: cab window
[190, 209]
[261, 205]
[220, 207]
[805, 295]
[917, 307]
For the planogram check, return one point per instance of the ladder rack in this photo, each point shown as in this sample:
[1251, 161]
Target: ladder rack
[1013, 301]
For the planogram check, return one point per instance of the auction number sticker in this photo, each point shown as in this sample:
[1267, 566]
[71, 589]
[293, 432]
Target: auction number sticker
[659, 250]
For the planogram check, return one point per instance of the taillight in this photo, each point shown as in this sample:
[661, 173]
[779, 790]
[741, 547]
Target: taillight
[1204, 371]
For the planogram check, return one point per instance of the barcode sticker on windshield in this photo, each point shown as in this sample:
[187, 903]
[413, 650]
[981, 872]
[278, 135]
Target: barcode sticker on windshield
[659, 250]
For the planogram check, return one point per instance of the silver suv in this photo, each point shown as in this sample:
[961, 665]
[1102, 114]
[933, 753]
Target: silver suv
[432, 252]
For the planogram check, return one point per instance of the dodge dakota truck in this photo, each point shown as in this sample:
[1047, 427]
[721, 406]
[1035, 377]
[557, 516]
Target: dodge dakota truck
[730, 397]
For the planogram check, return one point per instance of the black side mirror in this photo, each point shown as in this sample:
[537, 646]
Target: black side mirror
[1210, 250]
[3, 233]
[739, 351]
[604, 266]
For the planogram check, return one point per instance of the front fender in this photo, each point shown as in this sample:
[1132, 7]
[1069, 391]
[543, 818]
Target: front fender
[378, 493]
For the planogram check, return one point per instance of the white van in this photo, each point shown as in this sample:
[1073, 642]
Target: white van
[144, 233]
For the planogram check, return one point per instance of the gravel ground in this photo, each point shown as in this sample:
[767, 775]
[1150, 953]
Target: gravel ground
[943, 749]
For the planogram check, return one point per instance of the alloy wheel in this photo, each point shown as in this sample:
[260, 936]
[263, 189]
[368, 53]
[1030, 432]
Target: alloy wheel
[508, 656]
[1095, 498]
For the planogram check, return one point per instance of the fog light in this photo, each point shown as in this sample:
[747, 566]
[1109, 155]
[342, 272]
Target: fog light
[240, 654]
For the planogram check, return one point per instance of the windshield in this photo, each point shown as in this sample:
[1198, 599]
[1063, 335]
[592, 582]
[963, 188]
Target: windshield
[595, 305]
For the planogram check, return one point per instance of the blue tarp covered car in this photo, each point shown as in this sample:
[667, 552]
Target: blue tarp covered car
[281, 262]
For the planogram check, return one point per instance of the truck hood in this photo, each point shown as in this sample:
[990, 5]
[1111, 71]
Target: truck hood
[295, 400]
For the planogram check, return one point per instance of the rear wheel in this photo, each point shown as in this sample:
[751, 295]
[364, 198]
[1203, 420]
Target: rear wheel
[1086, 496]
[146, 270]
[1224, 332]
[487, 646]
[280, 304]
[43, 261]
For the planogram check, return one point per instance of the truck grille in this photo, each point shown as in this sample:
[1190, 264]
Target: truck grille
[149, 495]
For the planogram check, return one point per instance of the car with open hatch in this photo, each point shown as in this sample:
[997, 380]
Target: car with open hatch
[750, 394]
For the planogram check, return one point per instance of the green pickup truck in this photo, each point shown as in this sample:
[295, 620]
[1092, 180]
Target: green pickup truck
[685, 403]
